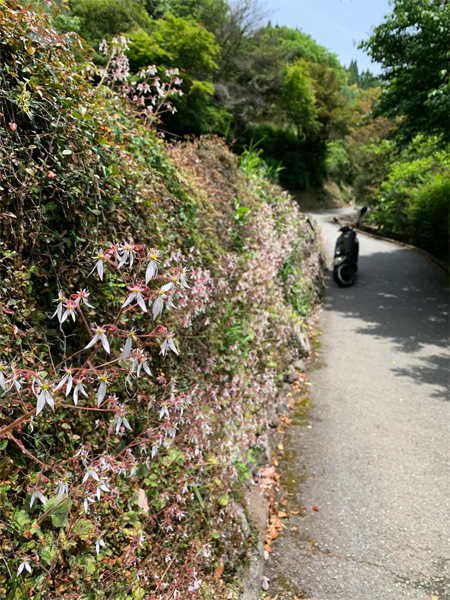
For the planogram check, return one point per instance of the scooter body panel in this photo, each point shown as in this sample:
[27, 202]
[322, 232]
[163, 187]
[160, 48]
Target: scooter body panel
[338, 260]
[346, 249]
[346, 252]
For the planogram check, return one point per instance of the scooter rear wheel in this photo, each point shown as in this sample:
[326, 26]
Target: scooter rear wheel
[344, 275]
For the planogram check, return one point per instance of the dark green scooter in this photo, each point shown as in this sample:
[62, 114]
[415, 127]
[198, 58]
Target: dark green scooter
[345, 263]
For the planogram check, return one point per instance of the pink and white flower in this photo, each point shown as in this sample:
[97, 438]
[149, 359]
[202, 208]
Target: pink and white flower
[99, 335]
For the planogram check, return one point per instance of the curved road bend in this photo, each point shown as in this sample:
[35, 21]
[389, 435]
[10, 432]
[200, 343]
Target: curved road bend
[376, 459]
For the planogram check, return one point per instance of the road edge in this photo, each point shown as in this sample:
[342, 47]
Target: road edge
[439, 263]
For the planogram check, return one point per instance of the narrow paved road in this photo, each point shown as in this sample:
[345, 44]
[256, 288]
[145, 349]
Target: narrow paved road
[375, 460]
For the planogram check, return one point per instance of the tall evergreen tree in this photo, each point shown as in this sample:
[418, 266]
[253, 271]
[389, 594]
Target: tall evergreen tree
[353, 73]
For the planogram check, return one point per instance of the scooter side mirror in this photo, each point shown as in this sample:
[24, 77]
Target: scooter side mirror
[363, 211]
[335, 220]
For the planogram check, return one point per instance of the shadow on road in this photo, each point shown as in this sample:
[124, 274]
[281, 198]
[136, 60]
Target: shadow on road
[394, 300]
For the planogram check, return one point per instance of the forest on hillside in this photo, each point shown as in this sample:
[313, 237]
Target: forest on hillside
[316, 123]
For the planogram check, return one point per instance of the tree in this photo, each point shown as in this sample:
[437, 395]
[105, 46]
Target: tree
[175, 42]
[209, 13]
[98, 19]
[368, 80]
[412, 46]
[250, 85]
[298, 100]
[353, 73]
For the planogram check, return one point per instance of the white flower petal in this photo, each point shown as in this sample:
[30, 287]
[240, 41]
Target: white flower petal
[147, 369]
[100, 269]
[61, 383]
[150, 271]
[158, 306]
[105, 343]
[40, 403]
[129, 300]
[101, 392]
[49, 399]
[127, 348]
[141, 302]
[172, 346]
[93, 341]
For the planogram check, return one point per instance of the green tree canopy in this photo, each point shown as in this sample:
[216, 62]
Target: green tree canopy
[175, 42]
[95, 20]
[412, 46]
[209, 13]
[298, 98]
[298, 44]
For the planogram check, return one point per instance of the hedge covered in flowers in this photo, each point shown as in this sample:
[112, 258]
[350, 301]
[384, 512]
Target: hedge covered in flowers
[148, 301]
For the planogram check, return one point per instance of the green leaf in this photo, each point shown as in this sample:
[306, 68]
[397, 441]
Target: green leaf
[60, 514]
[50, 206]
[83, 528]
[21, 517]
[131, 518]
[3, 444]
[86, 560]
[198, 495]
[48, 553]
[223, 500]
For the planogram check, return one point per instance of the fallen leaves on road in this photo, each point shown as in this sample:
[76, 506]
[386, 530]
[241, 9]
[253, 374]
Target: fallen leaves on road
[282, 515]
[316, 508]
[267, 478]
[268, 472]
[275, 528]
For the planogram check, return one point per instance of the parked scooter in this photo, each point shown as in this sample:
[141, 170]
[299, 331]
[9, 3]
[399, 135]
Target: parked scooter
[345, 263]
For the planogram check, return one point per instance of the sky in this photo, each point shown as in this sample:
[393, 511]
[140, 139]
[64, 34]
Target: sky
[335, 24]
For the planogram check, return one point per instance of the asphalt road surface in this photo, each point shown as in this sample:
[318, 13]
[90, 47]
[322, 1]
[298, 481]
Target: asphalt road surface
[375, 457]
